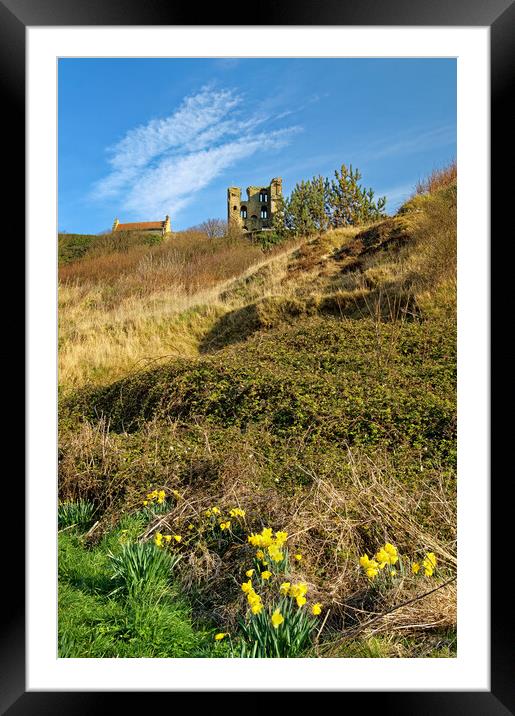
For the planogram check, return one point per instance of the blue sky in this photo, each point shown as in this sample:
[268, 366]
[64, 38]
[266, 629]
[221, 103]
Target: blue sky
[142, 138]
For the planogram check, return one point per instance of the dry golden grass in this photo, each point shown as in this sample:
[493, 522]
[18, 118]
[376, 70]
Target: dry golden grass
[330, 523]
[157, 311]
[438, 179]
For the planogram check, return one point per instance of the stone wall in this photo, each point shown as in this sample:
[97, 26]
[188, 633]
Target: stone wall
[255, 212]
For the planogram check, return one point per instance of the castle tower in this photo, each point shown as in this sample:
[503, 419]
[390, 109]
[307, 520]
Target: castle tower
[256, 212]
[234, 217]
[276, 191]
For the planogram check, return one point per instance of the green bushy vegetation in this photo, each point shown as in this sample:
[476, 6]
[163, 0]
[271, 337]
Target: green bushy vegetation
[347, 380]
[72, 247]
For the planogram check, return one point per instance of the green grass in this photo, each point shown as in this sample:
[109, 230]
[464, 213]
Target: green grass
[436, 644]
[94, 622]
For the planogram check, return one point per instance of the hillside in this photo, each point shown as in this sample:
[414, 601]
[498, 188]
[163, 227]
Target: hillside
[311, 387]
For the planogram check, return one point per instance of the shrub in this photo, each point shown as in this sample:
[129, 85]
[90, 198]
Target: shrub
[141, 568]
[75, 514]
[438, 179]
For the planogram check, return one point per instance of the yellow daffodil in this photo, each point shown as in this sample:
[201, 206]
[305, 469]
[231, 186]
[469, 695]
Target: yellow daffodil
[221, 635]
[370, 566]
[298, 590]
[316, 609]
[392, 551]
[280, 538]
[387, 555]
[275, 553]
[298, 556]
[266, 575]
[177, 538]
[256, 608]
[176, 494]
[415, 567]
[260, 554]
[158, 539]
[253, 597]
[431, 558]
[301, 601]
[207, 513]
[429, 564]
[161, 496]
[266, 536]
[393, 572]
[284, 588]
[191, 527]
[145, 502]
[215, 510]
[383, 558]
[168, 538]
[277, 619]
[249, 572]
[246, 586]
[237, 512]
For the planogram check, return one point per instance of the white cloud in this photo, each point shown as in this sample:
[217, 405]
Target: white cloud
[172, 184]
[420, 141]
[158, 167]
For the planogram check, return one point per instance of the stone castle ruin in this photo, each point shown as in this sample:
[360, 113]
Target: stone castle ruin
[255, 213]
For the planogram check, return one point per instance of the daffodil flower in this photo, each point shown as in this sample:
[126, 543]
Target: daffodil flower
[246, 586]
[277, 619]
[284, 588]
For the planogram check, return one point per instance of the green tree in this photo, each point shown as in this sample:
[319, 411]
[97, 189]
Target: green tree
[306, 210]
[349, 203]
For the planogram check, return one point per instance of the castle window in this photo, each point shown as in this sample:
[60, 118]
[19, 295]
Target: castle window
[264, 212]
[235, 208]
[243, 212]
[263, 196]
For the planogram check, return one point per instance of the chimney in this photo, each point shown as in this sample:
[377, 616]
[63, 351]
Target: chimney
[115, 224]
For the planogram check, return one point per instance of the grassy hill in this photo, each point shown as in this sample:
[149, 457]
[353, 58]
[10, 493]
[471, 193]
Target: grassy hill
[73, 247]
[311, 387]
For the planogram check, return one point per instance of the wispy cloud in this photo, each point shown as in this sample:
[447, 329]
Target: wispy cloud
[414, 142]
[158, 167]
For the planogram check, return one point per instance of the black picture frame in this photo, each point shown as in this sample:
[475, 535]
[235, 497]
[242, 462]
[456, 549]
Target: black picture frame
[499, 16]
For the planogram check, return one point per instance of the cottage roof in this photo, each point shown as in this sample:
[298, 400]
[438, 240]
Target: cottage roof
[141, 226]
